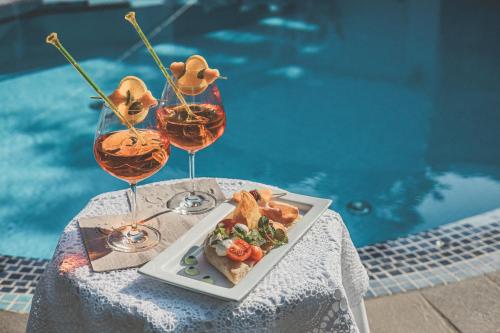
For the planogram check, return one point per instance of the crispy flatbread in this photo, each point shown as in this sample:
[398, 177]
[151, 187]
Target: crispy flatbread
[247, 211]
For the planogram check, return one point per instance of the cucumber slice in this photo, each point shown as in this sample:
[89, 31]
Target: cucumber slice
[192, 271]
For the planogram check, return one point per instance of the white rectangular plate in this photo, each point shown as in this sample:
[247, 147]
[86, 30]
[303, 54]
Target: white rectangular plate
[169, 265]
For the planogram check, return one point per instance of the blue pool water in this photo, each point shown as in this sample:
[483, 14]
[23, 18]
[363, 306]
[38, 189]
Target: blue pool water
[394, 103]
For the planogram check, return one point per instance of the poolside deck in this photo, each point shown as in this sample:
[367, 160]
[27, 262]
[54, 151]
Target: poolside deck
[469, 306]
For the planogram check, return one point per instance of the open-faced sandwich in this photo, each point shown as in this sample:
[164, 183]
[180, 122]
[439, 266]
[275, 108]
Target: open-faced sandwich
[257, 225]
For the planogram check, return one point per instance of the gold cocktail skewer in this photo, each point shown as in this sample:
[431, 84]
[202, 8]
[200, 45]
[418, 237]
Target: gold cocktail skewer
[131, 18]
[54, 40]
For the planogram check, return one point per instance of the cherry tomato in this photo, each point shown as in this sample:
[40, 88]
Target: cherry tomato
[257, 253]
[228, 225]
[239, 251]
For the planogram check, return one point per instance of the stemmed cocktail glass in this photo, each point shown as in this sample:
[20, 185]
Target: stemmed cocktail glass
[192, 131]
[128, 145]
[131, 156]
[193, 117]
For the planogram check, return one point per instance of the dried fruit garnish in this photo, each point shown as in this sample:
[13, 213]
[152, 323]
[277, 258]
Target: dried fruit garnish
[193, 76]
[132, 99]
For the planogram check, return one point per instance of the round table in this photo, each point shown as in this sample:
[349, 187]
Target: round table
[318, 286]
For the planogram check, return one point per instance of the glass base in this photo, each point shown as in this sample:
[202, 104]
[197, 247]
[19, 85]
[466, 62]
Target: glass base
[189, 203]
[124, 239]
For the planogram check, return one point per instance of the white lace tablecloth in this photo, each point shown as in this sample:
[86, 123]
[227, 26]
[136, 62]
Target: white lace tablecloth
[314, 288]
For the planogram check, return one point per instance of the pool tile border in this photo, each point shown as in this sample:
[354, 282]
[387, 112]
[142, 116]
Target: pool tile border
[443, 255]
[19, 275]
[446, 254]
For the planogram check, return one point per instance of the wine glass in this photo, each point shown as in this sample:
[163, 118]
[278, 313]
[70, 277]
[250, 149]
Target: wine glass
[192, 131]
[131, 154]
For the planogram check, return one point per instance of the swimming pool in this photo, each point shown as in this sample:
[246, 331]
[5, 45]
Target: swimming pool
[396, 104]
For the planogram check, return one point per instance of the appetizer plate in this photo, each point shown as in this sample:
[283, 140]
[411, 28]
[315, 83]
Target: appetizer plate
[183, 263]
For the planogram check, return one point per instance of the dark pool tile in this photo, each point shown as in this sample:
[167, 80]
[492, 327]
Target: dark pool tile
[21, 283]
[489, 249]
[477, 253]
[6, 289]
[39, 263]
[455, 258]
[26, 270]
[15, 276]
[407, 269]
[39, 270]
[445, 262]
[395, 272]
[29, 277]
[22, 290]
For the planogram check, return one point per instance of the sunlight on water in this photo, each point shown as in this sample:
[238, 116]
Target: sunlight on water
[167, 49]
[237, 36]
[289, 24]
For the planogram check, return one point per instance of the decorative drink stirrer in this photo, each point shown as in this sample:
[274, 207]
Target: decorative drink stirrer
[54, 40]
[131, 18]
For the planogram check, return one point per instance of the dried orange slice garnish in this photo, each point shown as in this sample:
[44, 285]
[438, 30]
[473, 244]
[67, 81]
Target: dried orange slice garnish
[193, 76]
[133, 99]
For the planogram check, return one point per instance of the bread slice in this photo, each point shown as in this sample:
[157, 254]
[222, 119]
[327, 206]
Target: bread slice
[233, 270]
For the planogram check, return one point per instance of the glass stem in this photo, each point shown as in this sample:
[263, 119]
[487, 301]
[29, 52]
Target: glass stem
[133, 205]
[191, 172]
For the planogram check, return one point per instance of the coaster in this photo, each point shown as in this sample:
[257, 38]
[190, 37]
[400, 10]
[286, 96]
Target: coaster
[151, 211]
